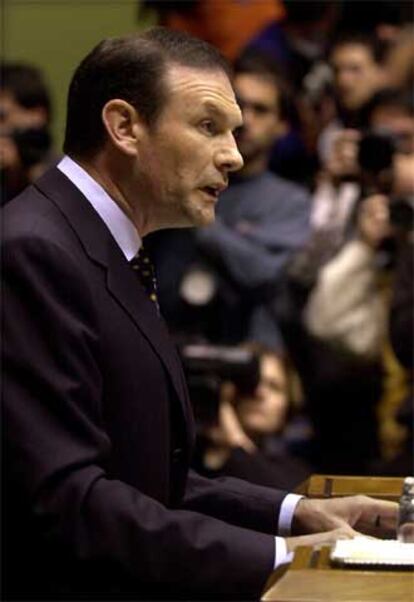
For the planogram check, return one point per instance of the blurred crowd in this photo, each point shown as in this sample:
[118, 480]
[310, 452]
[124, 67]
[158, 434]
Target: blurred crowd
[308, 267]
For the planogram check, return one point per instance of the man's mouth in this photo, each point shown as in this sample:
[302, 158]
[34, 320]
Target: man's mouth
[214, 190]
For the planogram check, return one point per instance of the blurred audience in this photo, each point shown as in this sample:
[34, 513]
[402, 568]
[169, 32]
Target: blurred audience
[386, 21]
[25, 141]
[357, 61]
[400, 60]
[338, 286]
[248, 439]
[353, 317]
[228, 25]
[298, 45]
[402, 339]
[325, 280]
[299, 41]
[361, 163]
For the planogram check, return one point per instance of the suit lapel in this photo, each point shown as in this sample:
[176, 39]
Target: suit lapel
[122, 283]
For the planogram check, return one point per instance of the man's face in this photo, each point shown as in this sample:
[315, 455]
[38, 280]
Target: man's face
[265, 411]
[13, 116]
[357, 75]
[259, 102]
[185, 158]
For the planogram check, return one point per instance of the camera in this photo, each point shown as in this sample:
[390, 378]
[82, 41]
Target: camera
[376, 151]
[207, 367]
[375, 156]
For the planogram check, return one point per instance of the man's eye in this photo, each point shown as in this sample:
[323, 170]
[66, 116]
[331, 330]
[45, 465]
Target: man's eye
[209, 127]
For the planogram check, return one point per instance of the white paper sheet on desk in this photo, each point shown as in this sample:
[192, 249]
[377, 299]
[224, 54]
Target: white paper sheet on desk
[362, 550]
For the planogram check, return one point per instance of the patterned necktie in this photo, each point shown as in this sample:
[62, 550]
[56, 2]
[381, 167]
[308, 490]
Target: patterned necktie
[144, 269]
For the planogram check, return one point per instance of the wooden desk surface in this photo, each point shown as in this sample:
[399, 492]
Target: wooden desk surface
[317, 485]
[312, 578]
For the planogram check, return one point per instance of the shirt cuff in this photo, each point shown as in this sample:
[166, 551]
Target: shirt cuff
[287, 510]
[282, 556]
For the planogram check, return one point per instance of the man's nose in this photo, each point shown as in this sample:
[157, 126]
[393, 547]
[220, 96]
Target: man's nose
[228, 157]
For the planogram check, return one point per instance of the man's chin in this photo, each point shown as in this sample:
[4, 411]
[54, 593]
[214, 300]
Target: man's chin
[205, 219]
[201, 215]
[198, 220]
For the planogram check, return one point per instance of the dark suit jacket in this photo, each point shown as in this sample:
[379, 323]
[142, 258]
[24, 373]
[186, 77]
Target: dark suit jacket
[98, 498]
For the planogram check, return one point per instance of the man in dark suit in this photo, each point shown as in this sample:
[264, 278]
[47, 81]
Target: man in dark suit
[98, 499]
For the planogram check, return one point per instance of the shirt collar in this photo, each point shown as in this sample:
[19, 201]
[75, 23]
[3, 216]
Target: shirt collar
[119, 225]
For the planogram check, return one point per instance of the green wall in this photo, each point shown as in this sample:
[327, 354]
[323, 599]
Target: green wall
[56, 34]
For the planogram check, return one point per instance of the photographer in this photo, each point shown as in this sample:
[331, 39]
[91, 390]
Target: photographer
[242, 431]
[25, 140]
[383, 219]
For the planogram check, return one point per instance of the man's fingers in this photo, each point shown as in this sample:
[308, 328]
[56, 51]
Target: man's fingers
[320, 539]
[377, 516]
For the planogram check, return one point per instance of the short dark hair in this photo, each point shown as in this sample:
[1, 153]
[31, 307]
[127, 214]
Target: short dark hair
[393, 99]
[304, 11]
[377, 49]
[257, 62]
[26, 84]
[131, 68]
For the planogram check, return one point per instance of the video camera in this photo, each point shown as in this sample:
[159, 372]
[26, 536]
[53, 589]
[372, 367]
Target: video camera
[207, 367]
[375, 157]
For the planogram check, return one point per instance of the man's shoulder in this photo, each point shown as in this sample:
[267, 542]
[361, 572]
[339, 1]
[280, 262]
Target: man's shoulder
[33, 216]
[25, 210]
[285, 189]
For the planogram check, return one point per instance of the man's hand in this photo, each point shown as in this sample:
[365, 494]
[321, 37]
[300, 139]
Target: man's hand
[371, 516]
[229, 433]
[321, 539]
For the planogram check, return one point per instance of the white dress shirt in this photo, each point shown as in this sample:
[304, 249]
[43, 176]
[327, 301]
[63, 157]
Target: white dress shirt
[129, 241]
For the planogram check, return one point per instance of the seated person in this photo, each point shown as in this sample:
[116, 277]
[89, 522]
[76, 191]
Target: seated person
[248, 440]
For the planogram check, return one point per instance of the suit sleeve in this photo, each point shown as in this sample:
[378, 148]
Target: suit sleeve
[57, 448]
[235, 501]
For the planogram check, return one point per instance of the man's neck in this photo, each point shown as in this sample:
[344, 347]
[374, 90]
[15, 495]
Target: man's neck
[106, 177]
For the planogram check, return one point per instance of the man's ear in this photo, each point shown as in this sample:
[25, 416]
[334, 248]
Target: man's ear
[123, 125]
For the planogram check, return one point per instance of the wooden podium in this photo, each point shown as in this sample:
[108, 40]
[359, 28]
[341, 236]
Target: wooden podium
[312, 578]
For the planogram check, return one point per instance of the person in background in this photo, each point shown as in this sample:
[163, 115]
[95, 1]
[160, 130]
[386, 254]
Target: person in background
[298, 44]
[357, 60]
[99, 501]
[343, 295]
[227, 25]
[386, 21]
[25, 140]
[359, 76]
[299, 41]
[248, 440]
